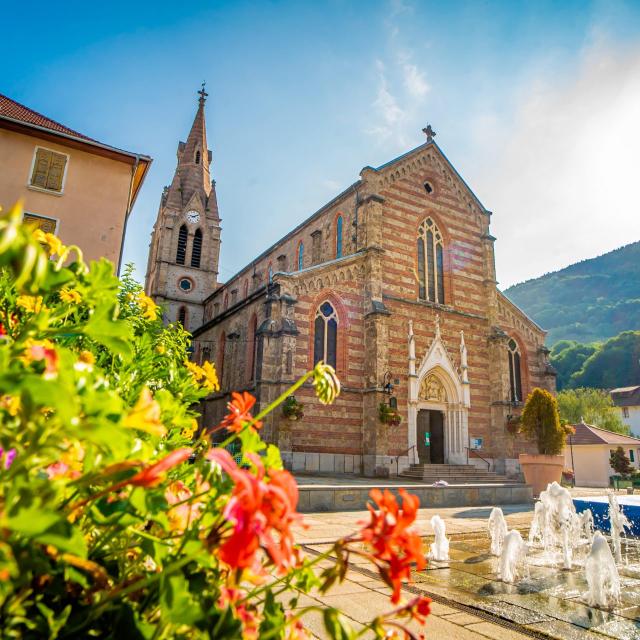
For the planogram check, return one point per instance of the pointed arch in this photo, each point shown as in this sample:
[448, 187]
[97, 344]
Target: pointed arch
[220, 358]
[196, 249]
[181, 252]
[329, 330]
[252, 345]
[182, 316]
[430, 262]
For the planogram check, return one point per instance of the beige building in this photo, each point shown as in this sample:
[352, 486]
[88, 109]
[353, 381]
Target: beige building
[588, 452]
[627, 404]
[69, 184]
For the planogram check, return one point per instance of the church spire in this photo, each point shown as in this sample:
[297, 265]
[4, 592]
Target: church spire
[192, 177]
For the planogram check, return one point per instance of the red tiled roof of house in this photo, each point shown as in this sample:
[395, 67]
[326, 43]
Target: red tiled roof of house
[588, 434]
[11, 109]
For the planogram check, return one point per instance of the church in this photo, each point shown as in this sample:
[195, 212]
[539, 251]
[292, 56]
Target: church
[393, 283]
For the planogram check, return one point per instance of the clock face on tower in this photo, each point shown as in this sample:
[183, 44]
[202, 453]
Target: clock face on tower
[193, 217]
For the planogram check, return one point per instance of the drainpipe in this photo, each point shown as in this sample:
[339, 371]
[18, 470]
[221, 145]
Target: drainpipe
[127, 212]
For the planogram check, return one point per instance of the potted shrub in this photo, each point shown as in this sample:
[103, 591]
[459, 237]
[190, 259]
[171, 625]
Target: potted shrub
[292, 409]
[621, 464]
[540, 422]
[388, 415]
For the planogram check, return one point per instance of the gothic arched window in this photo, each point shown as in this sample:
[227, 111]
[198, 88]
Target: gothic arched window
[300, 256]
[182, 316]
[270, 273]
[220, 360]
[181, 253]
[339, 237]
[325, 335]
[430, 262]
[253, 344]
[196, 249]
[515, 375]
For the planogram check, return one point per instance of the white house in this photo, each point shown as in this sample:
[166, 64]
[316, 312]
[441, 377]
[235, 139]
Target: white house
[588, 451]
[627, 403]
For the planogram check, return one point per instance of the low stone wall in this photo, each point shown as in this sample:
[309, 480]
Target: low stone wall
[338, 463]
[317, 498]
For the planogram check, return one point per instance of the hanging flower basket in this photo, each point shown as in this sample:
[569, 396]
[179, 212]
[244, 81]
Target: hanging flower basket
[292, 409]
[388, 415]
[513, 424]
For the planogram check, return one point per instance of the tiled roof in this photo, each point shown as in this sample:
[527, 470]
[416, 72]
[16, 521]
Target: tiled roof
[588, 434]
[11, 109]
[626, 396]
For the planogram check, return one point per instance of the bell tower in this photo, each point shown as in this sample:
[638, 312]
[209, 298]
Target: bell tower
[185, 244]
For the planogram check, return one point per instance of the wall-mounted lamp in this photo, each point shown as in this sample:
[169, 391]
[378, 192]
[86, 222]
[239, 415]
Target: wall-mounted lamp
[387, 387]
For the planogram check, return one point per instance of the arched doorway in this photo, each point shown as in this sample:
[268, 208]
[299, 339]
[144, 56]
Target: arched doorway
[430, 432]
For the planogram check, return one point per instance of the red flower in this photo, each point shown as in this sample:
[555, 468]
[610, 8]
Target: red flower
[417, 609]
[153, 474]
[239, 412]
[258, 508]
[395, 548]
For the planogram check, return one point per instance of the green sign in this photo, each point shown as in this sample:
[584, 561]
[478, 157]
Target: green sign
[427, 441]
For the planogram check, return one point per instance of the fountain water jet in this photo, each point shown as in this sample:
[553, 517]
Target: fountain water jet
[439, 550]
[512, 558]
[497, 530]
[602, 574]
[618, 524]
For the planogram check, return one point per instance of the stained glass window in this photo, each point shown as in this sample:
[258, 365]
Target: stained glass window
[430, 256]
[325, 339]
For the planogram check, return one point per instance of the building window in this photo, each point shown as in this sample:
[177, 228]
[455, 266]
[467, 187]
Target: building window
[515, 376]
[246, 288]
[632, 457]
[197, 157]
[234, 296]
[625, 412]
[196, 249]
[220, 362]
[182, 316]
[206, 355]
[339, 237]
[430, 262]
[181, 253]
[47, 225]
[325, 338]
[48, 170]
[300, 256]
[270, 273]
[186, 284]
[428, 187]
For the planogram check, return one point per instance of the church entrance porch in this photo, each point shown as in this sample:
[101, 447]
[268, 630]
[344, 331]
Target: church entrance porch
[430, 431]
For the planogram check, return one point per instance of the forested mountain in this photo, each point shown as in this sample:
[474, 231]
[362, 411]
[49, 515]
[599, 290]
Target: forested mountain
[588, 301]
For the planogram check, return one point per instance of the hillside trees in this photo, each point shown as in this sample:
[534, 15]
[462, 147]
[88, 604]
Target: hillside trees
[594, 406]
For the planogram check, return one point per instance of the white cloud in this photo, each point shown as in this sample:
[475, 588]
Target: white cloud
[415, 81]
[562, 176]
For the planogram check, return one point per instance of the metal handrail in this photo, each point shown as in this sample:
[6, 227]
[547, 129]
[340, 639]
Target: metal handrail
[413, 446]
[475, 452]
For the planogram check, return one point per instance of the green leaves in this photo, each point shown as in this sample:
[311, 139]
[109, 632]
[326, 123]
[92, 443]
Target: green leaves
[337, 626]
[113, 334]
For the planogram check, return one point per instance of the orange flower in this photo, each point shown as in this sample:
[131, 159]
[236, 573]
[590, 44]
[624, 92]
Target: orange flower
[239, 412]
[153, 474]
[258, 507]
[395, 548]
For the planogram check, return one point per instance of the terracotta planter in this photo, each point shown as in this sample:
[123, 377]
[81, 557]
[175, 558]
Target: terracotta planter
[540, 470]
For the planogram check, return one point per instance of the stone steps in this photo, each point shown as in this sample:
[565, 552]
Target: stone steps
[453, 474]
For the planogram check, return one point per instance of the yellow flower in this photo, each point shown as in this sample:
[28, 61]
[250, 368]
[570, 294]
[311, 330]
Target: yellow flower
[87, 357]
[31, 304]
[11, 404]
[148, 306]
[188, 432]
[205, 373]
[210, 377]
[52, 243]
[145, 415]
[70, 296]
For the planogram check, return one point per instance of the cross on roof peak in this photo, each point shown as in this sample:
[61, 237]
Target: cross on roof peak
[429, 132]
[203, 94]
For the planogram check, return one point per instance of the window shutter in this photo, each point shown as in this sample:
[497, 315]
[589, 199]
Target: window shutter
[56, 171]
[41, 168]
[47, 225]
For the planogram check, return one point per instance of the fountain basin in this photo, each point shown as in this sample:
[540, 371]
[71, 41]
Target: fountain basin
[599, 506]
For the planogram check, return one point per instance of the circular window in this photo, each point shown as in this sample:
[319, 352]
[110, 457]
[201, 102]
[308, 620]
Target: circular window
[185, 284]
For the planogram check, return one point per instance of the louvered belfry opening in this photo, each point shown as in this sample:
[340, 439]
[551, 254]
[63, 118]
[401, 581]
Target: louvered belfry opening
[181, 253]
[182, 316]
[196, 250]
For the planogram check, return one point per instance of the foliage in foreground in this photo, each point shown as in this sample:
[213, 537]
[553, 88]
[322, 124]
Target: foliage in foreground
[594, 406]
[540, 422]
[118, 518]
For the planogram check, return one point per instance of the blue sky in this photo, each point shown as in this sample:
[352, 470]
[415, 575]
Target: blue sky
[536, 104]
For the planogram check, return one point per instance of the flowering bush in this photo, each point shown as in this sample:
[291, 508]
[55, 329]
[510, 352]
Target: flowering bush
[292, 409]
[118, 518]
[388, 415]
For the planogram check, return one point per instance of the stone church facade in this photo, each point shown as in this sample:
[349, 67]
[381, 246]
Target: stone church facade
[393, 282]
